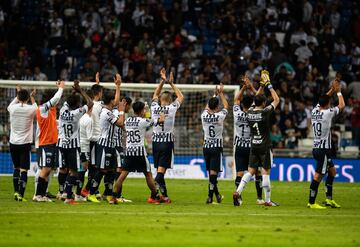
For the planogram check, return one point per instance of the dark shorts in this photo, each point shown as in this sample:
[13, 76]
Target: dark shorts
[105, 157]
[259, 158]
[21, 155]
[163, 153]
[242, 159]
[323, 159]
[48, 156]
[93, 153]
[136, 164]
[69, 158]
[119, 157]
[213, 158]
[85, 157]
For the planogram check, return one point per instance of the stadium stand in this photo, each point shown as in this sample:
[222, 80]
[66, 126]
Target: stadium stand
[202, 42]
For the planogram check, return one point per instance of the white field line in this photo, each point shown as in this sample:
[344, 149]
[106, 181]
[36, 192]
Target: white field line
[180, 214]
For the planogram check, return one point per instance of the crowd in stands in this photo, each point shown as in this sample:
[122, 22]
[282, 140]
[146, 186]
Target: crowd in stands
[304, 45]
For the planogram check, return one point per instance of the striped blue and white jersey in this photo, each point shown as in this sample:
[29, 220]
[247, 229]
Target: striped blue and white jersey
[164, 132]
[322, 121]
[135, 135]
[107, 125]
[213, 126]
[242, 128]
[69, 126]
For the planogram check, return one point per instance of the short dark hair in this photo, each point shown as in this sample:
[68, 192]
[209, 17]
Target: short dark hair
[138, 106]
[259, 100]
[73, 100]
[247, 101]
[96, 89]
[23, 95]
[324, 100]
[90, 93]
[127, 99]
[213, 103]
[108, 97]
[47, 95]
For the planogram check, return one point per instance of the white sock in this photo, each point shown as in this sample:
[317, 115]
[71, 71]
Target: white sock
[37, 174]
[266, 187]
[49, 180]
[245, 179]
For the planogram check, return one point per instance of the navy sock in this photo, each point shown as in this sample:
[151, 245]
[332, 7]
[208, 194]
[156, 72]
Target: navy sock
[313, 191]
[22, 183]
[160, 180]
[70, 182]
[16, 177]
[91, 174]
[237, 181]
[62, 180]
[80, 182]
[258, 182]
[96, 182]
[40, 189]
[329, 187]
[108, 183]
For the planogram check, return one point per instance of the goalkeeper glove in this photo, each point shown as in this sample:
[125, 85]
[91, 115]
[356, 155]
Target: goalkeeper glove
[265, 79]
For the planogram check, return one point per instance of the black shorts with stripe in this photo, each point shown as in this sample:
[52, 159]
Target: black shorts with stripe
[85, 157]
[105, 157]
[242, 155]
[260, 158]
[69, 158]
[119, 157]
[21, 155]
[48, 156]
[213, 158]
[163, 153]
[136, 164]
[323, 159]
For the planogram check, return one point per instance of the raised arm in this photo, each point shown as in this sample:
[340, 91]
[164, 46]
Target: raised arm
[222, 96]
[178, 93]
[161, 84]
[337, 88]
[249, 84]
[265, 80]
[121, 108]
[32, 96]
[239, 95]
[97, 78]
[86, 97]
[117, 80]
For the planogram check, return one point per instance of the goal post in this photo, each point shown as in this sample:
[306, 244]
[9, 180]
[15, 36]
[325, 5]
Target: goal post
[188, 160]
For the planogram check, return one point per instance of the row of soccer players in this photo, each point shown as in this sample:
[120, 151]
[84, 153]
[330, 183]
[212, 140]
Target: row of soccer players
[252, 142]
[100, 122]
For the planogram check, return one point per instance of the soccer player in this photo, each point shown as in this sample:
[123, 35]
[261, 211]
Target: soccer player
[135, 155]
[21, 136]
[105, 147]
[69, 138]
[260, 151]
[212, 119]
[242, 141]
[85, 135]
[48, 136]
[163, 133]
[118, 135]
[97, 91]
[322, 117]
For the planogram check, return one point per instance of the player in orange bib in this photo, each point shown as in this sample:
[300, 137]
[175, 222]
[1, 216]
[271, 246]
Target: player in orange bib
[48, 136]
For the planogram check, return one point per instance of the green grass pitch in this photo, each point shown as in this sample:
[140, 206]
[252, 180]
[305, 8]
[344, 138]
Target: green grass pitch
[185, 222]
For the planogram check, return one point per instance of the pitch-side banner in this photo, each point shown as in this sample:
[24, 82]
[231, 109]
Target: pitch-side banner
[193, 167]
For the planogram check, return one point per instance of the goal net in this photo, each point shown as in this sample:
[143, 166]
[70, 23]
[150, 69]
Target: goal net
[188, 158]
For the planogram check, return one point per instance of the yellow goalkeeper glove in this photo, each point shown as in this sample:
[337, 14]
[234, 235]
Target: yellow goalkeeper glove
[265, 79]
